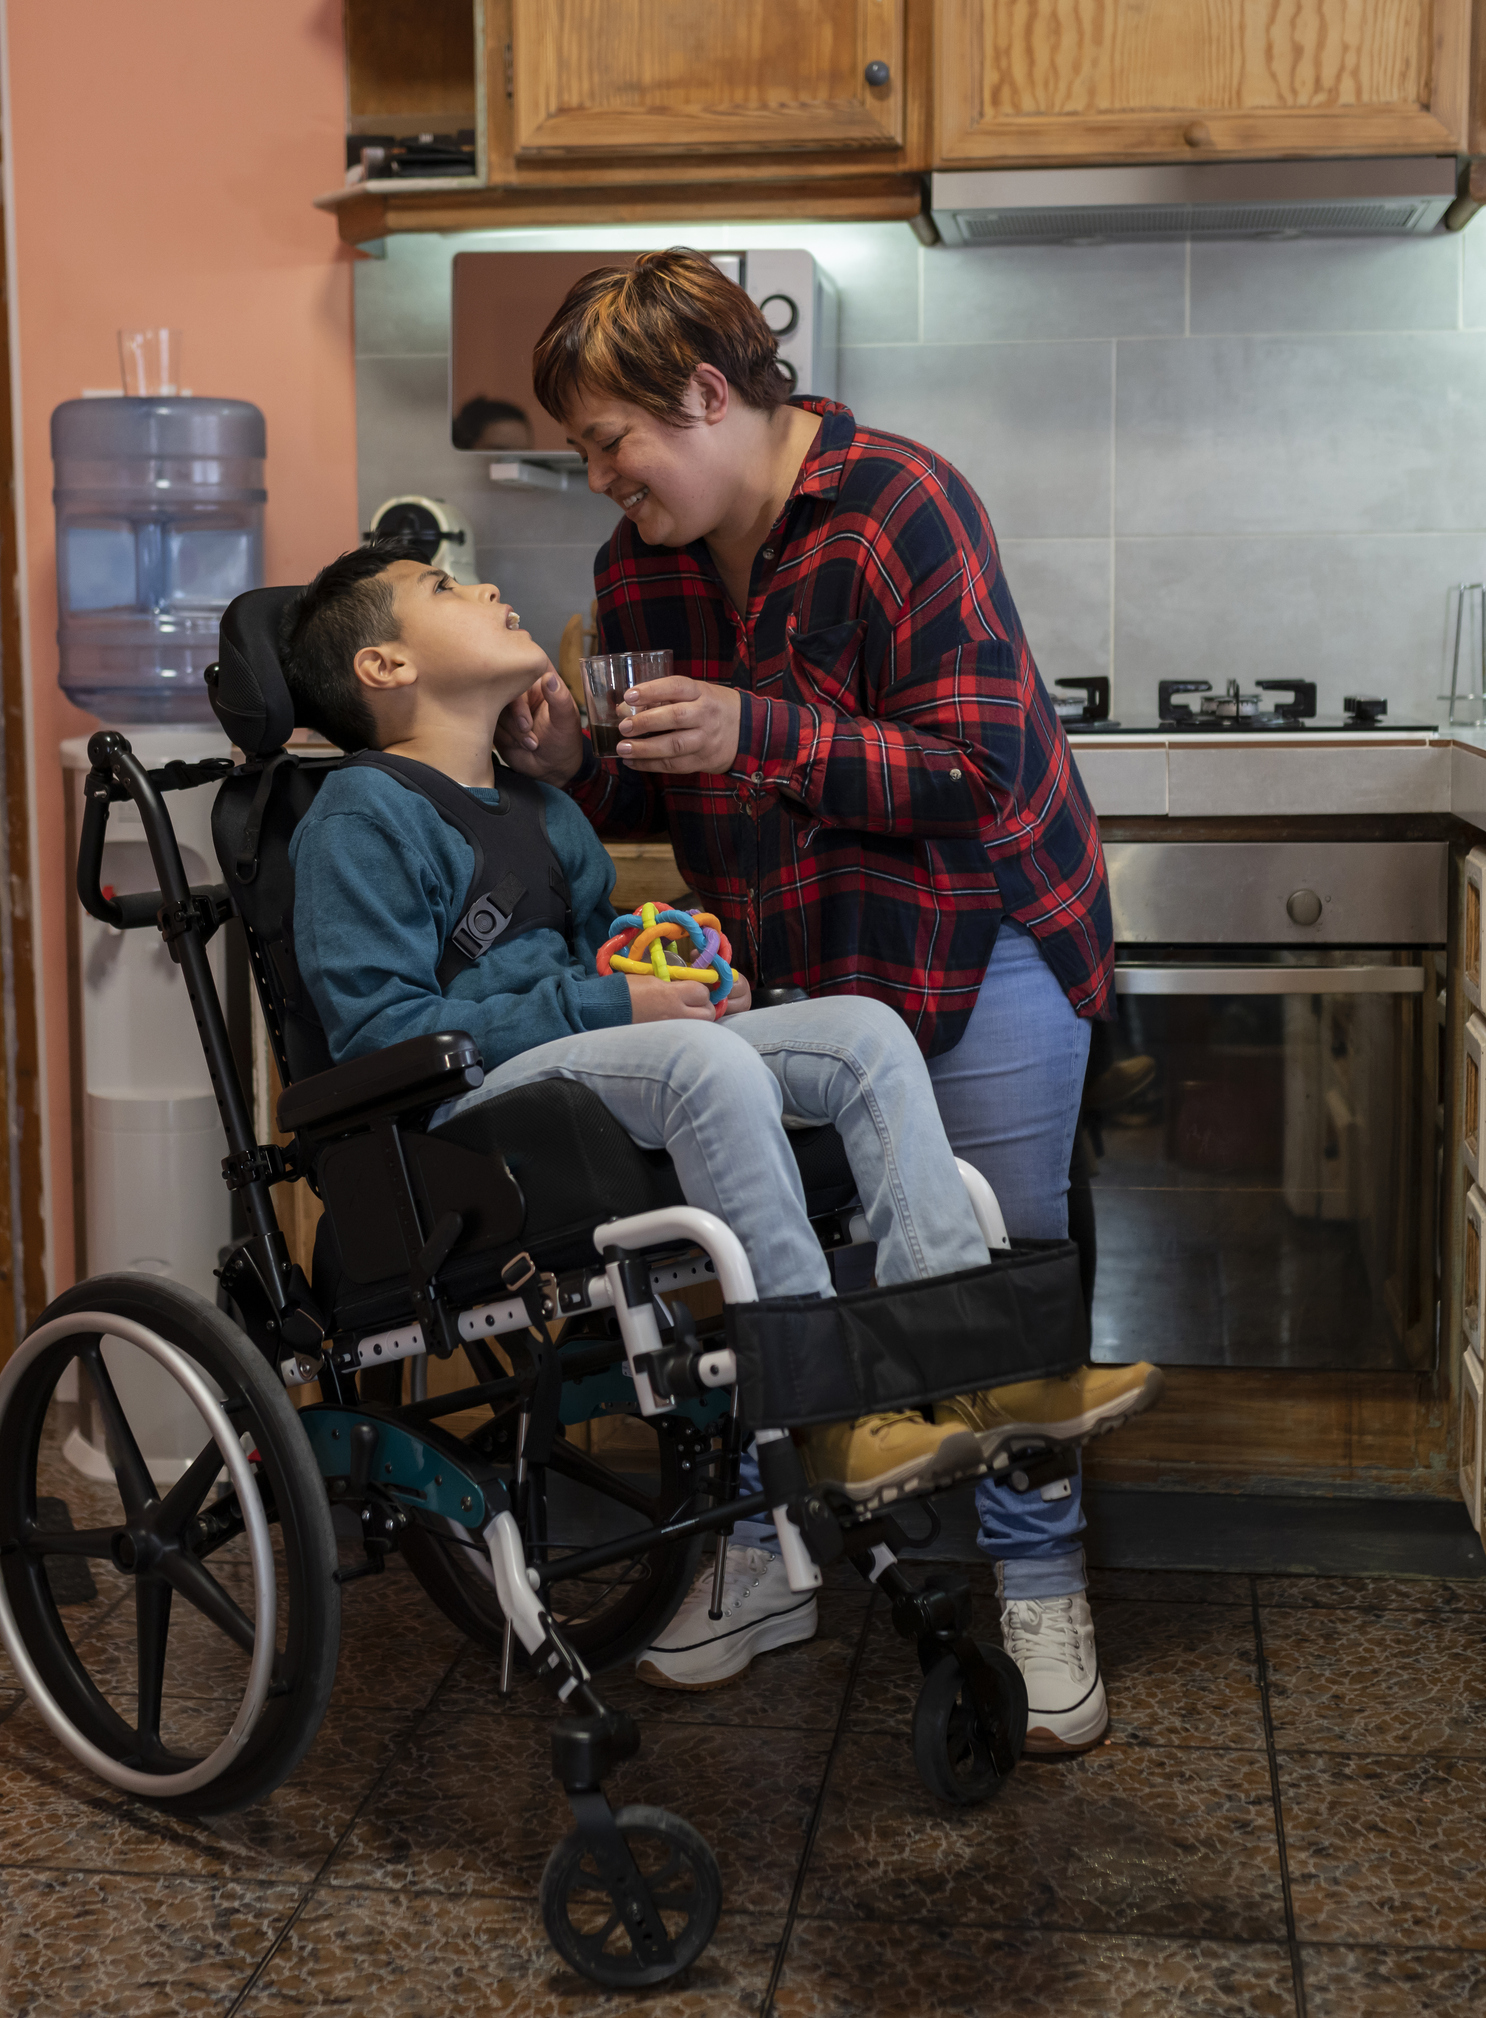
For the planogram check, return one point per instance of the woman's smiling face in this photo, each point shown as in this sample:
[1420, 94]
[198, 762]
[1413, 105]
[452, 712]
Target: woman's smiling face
[674, 483]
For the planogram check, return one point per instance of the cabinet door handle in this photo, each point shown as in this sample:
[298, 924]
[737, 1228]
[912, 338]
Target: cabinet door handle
[1134, 979]
[877, 73]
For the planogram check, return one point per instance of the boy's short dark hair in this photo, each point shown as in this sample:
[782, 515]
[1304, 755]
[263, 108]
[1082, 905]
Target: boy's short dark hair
[348, 606]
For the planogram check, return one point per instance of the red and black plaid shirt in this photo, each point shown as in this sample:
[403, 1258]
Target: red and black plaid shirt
[901, 777]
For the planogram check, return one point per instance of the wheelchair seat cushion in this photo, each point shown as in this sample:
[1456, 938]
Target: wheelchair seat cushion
[575, 1167]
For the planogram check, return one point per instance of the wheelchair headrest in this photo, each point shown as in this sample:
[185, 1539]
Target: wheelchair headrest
[249, 694]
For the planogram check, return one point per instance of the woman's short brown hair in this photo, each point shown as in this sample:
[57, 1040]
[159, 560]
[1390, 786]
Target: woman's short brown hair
[638, 333]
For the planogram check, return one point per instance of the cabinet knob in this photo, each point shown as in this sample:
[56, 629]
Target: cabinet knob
[1304, 907]
[878, 73]
[1198, 134]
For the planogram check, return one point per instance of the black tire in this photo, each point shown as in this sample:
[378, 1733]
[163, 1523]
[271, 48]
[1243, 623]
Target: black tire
[607, 1619]
[178, 1523]
[583, 1924]
[956, 1755]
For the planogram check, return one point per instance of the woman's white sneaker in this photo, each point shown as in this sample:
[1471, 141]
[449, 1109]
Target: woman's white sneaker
[1052, 1642]
[759, 1612]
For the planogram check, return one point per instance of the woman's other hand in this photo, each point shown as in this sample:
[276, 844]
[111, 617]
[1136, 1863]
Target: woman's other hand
[539, 734]
[652, 1000]
[740, 998]
[682, 725]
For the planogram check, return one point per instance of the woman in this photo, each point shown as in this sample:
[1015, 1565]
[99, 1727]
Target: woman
[861, 772]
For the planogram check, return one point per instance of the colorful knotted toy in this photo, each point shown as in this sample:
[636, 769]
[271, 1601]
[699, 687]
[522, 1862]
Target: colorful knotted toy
[650, 942]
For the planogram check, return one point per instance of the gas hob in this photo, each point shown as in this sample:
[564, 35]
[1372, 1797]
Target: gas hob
[1231, 713]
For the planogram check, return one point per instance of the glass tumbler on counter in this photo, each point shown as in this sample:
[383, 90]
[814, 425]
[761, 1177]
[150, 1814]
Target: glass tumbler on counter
[606, 680]
[159, 525]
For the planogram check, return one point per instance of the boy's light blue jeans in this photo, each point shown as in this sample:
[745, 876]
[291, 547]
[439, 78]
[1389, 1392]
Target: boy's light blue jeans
[714, 1095]
[1009, 1096]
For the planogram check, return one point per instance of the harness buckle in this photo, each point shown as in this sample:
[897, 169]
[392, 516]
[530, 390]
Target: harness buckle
[519, 1262]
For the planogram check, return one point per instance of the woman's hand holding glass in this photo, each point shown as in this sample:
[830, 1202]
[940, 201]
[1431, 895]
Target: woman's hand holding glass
[682, 725]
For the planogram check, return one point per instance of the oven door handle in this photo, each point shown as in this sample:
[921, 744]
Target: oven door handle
[1137, 980]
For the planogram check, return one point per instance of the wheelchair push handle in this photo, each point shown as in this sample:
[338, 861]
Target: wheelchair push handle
[117, 774]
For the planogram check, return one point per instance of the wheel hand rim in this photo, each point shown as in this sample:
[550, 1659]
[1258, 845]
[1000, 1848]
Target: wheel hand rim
[99, 1324]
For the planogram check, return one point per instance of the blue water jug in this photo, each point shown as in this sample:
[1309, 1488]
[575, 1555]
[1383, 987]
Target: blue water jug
[159, 525]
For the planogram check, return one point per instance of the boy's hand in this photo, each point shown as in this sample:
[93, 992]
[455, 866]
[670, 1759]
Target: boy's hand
[652, 1000]
[741, 997]
[539, 734]
[682, 725]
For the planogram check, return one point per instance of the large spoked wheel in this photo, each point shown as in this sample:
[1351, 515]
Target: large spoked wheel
[609, 1615]
[204, 1675]
[587, 1927]
[967, 1741]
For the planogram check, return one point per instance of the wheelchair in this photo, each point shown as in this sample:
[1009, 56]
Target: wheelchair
[534, 1234]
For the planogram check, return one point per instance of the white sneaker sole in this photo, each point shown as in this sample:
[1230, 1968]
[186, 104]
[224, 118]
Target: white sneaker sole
[1052, 1733]
[958, 1457]
[713, 1663]
[1095, 1422]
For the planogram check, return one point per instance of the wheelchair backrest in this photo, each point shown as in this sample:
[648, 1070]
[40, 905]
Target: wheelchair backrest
[256, 812]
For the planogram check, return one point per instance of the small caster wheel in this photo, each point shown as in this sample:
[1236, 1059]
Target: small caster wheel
[584, 1924]
[957, 1756]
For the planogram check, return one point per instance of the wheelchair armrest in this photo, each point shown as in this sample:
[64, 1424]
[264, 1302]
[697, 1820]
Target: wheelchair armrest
[418, 1073]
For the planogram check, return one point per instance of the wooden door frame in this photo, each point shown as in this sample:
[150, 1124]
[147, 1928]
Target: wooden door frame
[22, 1221]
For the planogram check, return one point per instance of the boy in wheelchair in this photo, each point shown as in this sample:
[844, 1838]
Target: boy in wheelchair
[389, 657]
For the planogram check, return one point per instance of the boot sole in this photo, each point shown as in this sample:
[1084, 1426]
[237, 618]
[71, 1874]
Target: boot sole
[958, 1457]
[1081, 1429]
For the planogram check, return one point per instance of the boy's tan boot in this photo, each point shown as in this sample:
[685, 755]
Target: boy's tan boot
[888, 1457]
[1074, 1408]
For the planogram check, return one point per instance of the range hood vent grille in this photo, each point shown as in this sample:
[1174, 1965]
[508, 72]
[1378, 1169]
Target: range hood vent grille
[1185, 220]
[1246, 199]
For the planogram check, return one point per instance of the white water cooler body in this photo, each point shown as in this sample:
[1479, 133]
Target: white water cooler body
[152, 1137]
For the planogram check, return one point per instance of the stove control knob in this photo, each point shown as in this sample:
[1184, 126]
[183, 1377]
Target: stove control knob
[1304, 907]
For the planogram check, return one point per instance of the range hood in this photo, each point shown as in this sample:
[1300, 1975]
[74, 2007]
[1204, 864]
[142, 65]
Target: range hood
[1386, 198]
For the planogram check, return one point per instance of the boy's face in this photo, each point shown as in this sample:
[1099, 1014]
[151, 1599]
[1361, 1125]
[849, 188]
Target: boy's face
[455, 639]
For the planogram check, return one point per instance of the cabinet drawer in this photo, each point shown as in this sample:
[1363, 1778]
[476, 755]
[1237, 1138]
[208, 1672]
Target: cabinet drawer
[1470, 1437]
[1471, 1270]
[1470, 1122]
[1470, 948]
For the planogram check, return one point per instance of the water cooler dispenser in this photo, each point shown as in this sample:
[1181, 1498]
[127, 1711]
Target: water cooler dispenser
[159, 525]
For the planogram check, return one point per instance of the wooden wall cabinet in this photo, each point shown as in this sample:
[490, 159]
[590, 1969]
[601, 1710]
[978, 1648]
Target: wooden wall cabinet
[670, 77]
[1042, 81]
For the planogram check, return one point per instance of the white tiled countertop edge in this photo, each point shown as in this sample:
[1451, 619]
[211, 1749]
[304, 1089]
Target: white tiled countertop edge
[1219, 777]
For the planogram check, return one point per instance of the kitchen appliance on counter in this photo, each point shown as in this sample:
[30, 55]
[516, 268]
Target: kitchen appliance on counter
[1265, 1190]
[442, 532]
[1231, 711]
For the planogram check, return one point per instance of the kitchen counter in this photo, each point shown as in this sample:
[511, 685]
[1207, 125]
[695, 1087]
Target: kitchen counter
[1273, 775]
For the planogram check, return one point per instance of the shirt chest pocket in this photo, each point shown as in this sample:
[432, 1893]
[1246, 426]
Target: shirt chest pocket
[826, 665]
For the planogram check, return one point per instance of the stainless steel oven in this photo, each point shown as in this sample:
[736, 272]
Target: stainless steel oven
[1260, 1131]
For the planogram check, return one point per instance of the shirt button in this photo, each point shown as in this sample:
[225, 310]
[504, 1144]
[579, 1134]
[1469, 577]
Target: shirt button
[768, 553]
[955, 775]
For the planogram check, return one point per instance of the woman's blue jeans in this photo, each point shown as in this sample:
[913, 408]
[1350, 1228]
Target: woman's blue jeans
[1009, 1096]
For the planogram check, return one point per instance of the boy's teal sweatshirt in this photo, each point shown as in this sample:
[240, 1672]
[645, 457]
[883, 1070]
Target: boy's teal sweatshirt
[378, 882]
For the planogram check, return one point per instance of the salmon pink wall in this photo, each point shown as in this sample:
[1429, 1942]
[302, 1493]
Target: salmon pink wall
[163, 156]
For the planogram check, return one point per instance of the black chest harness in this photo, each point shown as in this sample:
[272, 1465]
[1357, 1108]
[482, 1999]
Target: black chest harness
[517, 884]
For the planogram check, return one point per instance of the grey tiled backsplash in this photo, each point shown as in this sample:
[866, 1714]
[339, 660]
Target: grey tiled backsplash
[1226, 460]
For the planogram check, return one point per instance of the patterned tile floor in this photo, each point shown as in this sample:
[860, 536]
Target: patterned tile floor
[1311, 1846]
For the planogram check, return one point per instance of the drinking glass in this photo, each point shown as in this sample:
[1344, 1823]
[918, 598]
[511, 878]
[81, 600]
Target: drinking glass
[150, 361]
[606, 680]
